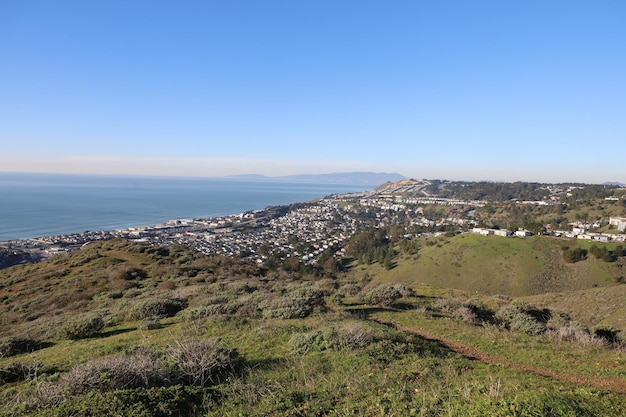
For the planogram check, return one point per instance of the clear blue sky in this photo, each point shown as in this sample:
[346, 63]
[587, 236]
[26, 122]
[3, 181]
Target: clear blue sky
[460, 90]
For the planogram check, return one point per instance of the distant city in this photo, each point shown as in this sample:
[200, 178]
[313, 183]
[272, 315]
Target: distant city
[309, 229]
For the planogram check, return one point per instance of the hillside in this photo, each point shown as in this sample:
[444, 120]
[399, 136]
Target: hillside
[128, 329]
[496, 265]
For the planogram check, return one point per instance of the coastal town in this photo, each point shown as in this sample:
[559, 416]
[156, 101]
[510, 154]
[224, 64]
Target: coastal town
[308, 230]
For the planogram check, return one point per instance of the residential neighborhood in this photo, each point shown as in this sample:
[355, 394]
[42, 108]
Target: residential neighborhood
[307, 230]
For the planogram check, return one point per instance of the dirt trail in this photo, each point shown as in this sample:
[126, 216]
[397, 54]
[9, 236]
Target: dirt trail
[606, 383]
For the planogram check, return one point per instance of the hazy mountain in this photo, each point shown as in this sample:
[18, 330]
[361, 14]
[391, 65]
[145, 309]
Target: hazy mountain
[373, 178]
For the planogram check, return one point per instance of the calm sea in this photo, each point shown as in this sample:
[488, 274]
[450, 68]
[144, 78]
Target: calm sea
[33, 205]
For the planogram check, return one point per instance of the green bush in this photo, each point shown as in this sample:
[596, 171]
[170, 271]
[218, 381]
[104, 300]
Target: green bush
[298, 303]
[82, 327]
[383, 295]
[347, 336]
[13, 345]
[171, 401]
[519, 317]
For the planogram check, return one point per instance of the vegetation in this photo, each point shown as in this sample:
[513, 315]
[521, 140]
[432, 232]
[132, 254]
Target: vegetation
[126, 329]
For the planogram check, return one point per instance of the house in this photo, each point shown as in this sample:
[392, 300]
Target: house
[618, 222]
[482, 231]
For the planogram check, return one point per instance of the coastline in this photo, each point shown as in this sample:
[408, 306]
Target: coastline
[37, 206]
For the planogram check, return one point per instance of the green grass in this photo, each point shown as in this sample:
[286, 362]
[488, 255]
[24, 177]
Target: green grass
[386, 371]
[494, 265]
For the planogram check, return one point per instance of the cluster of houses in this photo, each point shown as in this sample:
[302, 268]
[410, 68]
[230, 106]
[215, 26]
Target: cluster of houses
[501, 232]
[577, 232]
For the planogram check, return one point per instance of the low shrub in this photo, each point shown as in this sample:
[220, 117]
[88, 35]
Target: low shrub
[354, 335]
[347, 336]
[82, 327]
[405, 291]
[383, 295]
[349, 289]
[19, 371]
[521, 317]
[575, 333]
[14, 345]
[204, 363]
[314, 341]
[298, 303]
[156, 308]
[137, 370]
[608, 333]
[149, 324]
[173, 401]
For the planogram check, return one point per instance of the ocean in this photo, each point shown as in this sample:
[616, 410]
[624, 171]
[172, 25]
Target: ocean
[34, 205]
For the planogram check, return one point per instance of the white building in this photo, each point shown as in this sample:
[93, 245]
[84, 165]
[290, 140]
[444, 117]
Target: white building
[618, 222]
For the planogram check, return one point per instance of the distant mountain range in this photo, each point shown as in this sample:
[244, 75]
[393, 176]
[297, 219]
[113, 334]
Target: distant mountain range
[368, 178]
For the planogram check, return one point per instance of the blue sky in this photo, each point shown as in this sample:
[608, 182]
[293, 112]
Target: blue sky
[460, 90]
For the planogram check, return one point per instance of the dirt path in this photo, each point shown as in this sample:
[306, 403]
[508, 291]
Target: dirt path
[615, 384]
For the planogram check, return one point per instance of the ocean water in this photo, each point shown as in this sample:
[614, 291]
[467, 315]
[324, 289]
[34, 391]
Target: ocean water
[33, 205]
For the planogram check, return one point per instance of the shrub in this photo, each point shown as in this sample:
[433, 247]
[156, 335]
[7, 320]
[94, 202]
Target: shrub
[405, 291]
[576, 333]
[19, 371]
[518, 317]
[354, 335]
[82, 327]
[383, 295]
[173, 401]
[204, 363]
[608, 333]
[465, 314]
[347, 336]
[156, 308]
[149, 324]
[141, 369]
[315, 341]
[349, 289]
[298, 303]
[13, 345]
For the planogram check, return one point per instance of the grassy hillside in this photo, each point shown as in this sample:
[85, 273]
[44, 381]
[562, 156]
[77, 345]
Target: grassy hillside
[495, 265]
[121, 329]
[594, 307]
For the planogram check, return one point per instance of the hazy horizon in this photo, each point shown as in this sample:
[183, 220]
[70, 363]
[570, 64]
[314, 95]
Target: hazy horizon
[448, 90]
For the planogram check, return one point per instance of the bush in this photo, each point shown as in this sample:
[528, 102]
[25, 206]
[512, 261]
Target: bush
[347, 336]
[298, 303]
[13, 345]
[576, 334]
[608, 333]
[82, 327]
[137, 370]
[349, 289]
[519, 317]
[19, 371]
[383, 295]
[204, 363]
[157, 308]
[173, 401]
